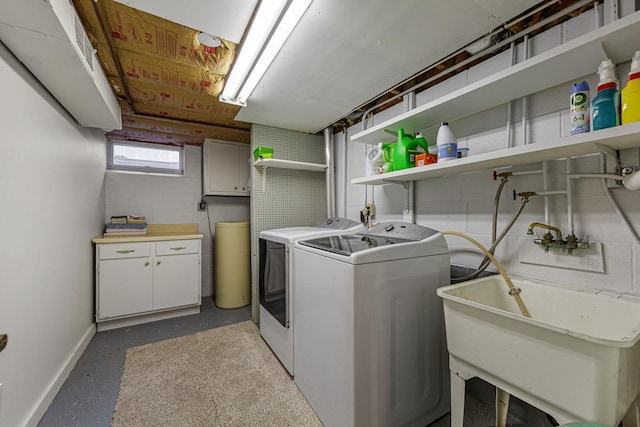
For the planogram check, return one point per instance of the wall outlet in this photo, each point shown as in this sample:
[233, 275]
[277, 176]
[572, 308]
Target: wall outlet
[202, 206]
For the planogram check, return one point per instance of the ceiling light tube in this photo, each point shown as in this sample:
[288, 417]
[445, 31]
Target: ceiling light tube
[272, 25]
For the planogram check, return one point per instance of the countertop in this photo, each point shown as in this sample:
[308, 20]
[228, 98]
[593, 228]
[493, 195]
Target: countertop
[156, 232]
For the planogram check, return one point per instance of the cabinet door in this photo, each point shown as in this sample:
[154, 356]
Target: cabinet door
[226, 169]
[176, 281]
[243, 167]
[125, 286]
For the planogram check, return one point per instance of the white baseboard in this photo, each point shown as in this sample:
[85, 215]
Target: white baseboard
[107, 325]
[55, 386]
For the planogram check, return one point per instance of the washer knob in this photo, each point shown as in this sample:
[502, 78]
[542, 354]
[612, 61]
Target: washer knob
[389, 227]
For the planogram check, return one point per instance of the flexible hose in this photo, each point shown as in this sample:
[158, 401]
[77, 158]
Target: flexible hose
[494, 231]
[495, 242]
[512, 289]
[496, 203]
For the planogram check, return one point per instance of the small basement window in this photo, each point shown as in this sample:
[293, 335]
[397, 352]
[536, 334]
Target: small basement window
[142, 157]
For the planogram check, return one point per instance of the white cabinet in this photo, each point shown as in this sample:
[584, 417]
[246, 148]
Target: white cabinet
[176, 274]
[145, 281]
[124, 270]
[225, 167]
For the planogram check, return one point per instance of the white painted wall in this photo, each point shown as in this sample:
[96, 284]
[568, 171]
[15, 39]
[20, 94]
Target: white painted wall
[464, 203]
[52, 199]
[174, 200]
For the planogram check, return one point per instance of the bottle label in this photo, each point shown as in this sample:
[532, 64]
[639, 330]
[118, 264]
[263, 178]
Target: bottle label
[447, 151]
[579, 100]
[579, 112]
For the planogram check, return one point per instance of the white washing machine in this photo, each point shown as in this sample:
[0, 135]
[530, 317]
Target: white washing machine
[370, 339]
[275, 281]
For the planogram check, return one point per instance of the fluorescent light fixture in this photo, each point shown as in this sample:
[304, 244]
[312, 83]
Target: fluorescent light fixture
[272, 24]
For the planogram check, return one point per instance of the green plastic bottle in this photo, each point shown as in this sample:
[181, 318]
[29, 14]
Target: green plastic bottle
[404, 147]
[630, 97]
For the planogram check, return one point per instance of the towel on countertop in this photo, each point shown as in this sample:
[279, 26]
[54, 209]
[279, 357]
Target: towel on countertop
[126, 226]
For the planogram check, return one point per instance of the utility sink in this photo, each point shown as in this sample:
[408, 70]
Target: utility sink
[577, 357]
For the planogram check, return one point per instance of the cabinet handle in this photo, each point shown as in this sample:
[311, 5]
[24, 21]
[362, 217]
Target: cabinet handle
[146, 264]
[3, 341]
[178, 248]
[125, 251]
[158, 262]
[235, 188]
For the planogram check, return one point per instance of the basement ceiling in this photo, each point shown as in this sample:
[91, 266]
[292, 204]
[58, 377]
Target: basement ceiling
[341, 55]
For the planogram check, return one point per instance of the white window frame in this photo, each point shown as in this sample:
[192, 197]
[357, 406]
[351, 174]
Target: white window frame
[144, 169]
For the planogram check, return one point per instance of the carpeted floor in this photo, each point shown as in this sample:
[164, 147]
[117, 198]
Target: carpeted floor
[221, 377]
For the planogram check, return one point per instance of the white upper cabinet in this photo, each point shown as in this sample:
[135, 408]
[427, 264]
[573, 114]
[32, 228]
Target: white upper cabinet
[225, 168]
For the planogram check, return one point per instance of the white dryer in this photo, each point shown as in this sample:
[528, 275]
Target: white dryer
[369, 339]
[275, 281]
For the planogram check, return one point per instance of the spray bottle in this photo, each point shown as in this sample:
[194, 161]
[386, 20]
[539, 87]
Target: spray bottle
[579, 108]
[631, 93]
[606, 104]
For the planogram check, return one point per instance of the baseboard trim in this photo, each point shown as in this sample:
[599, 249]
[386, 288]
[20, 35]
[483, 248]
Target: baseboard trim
[107, 325]
[60, 378]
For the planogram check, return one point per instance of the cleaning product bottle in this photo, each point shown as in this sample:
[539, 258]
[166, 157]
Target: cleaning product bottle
[579, 108]
[606, 105]
[447, 144]
[631, 93]
[405, 147]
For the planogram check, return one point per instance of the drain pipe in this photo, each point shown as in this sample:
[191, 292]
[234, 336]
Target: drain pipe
[409, 215]
[328, 150]
[545, 186]
[512, 62]
[345, 162]
[569, 188]
[525, 99]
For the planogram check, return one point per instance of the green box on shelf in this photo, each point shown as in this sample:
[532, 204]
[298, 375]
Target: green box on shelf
[262, 152]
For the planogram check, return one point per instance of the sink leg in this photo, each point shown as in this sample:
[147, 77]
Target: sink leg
[457, 400]
[632, 417]
[502, 407]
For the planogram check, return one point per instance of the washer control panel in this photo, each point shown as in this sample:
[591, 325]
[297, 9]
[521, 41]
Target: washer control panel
[401, 230]
[337, 223]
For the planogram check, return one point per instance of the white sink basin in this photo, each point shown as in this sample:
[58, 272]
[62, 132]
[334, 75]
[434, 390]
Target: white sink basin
[577, 357]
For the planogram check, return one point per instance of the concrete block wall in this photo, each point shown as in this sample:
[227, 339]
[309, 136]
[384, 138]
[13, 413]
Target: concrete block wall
[464, 203]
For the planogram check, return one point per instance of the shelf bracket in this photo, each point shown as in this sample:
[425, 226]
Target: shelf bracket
[263, 176]
[606, 149]
[605, 53]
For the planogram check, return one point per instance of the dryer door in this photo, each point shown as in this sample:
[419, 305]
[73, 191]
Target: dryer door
[273, 280]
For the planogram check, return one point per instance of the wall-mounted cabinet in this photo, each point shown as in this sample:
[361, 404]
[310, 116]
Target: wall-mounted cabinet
[225, 167]
[556, 66]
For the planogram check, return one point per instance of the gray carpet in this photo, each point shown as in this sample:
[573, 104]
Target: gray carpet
[221, 377]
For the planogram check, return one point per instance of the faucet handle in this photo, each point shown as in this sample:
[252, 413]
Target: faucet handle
[584, 243]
